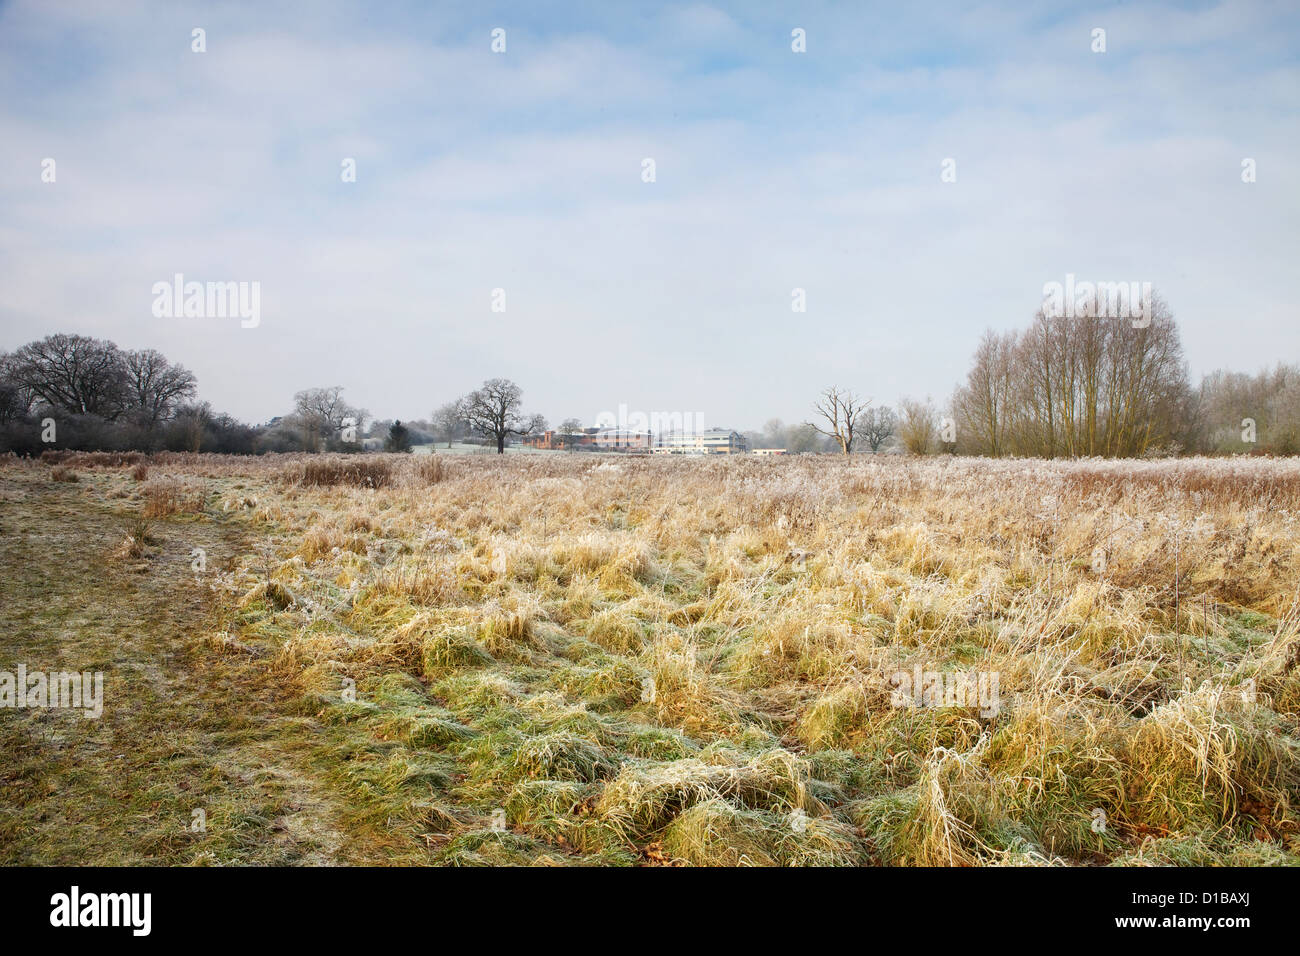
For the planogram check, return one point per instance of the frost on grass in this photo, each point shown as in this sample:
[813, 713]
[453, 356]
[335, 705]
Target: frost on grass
[570, 659]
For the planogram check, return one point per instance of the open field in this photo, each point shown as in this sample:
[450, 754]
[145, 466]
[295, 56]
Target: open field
[552, 659]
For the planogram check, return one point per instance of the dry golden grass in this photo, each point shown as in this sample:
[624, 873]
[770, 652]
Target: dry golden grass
[173, 496]
[581, 658]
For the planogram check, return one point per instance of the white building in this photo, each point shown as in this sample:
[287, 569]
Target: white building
[711, 441]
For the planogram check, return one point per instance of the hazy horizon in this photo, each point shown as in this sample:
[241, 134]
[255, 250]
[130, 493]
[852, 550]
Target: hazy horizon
[522, 170]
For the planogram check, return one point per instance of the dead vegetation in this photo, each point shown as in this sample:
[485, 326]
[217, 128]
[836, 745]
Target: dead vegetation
[586, 659]
[173, 496]
[361, 471]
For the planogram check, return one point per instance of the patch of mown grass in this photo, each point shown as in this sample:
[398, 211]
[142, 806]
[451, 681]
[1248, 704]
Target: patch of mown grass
[191, 761]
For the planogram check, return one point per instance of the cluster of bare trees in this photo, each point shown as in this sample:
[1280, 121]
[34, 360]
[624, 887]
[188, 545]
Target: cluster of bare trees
[848, 420]
[1081, 385]
[79, 375]
[1235, 411]
[1089, 385]
[1077, 385]
[97, 393]
[73, 391]
[795, 439]
[324, 421]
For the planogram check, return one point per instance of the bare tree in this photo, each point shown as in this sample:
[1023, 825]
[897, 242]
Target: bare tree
[12, 406]
[191, 423]
[154, 385]
[840, 409]
[495, 411]
[984, 408]
[1270, 400]
[322, 414]
[876, 425]
[448, 422]
[570, 432]
[72, 373]
[1079, 384]
[15, 399]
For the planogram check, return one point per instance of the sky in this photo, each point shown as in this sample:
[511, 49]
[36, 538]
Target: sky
[525, 171]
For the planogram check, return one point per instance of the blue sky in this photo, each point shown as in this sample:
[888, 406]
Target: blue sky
[775, 170]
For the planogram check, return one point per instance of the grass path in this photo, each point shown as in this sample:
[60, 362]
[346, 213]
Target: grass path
[184, 728]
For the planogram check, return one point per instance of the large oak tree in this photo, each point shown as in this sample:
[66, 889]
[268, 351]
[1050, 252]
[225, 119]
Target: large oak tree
[496, 411]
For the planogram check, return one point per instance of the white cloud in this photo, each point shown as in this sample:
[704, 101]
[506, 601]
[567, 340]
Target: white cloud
[522, 171]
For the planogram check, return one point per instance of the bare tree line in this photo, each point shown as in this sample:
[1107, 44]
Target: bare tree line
[1076, 385]
[1086, 385]
[1232, 407]
[86, 376]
